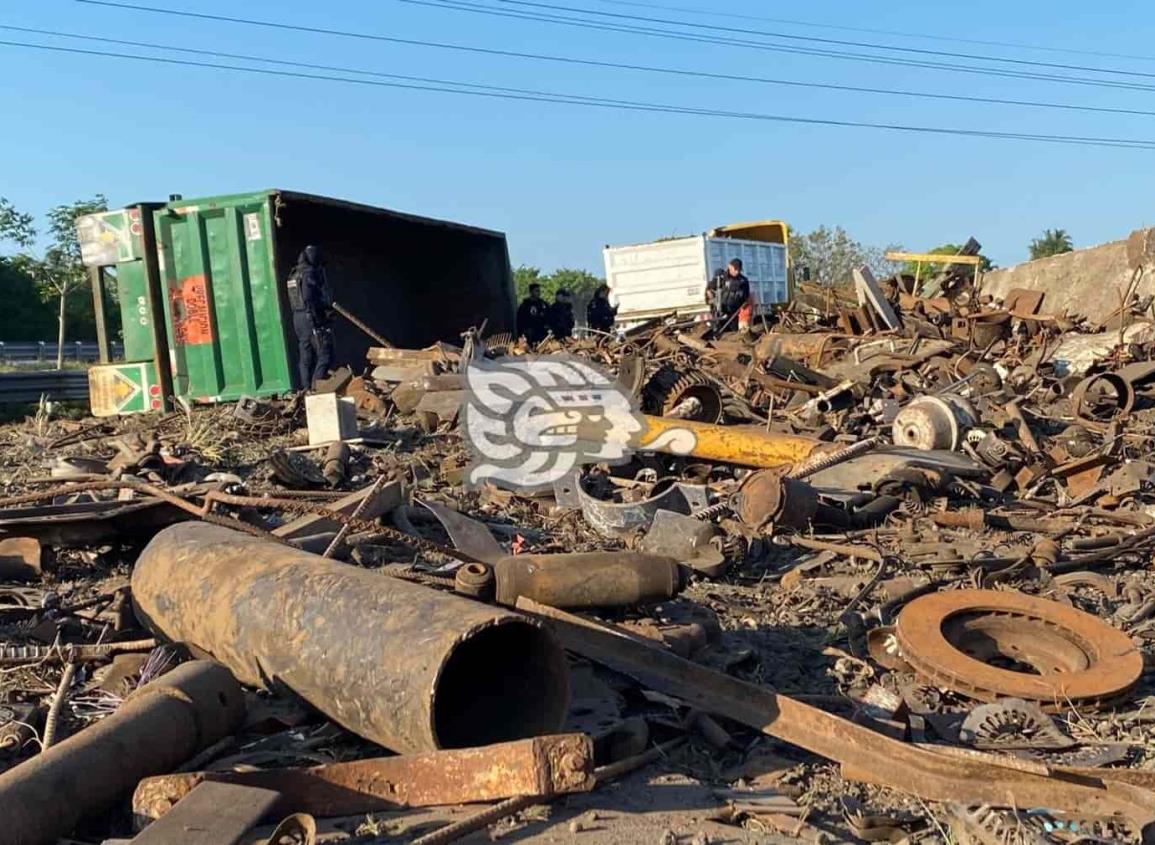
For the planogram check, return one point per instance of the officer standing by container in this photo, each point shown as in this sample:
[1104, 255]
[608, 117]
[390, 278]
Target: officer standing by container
[600, 315]
[561, 319]
[312, 305]
[729, 295]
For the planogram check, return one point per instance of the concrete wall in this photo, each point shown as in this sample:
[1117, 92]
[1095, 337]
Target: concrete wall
[1087, 281]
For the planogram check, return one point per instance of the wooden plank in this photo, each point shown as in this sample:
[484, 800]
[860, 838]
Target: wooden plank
[211, 814]
[388, 497]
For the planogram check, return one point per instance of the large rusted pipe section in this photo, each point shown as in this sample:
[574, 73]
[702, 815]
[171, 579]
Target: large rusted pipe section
[410, 668]
[158, 728]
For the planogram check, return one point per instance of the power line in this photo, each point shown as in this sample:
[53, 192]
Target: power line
[954, 39]
[536, 4]
[1006, 73]
[518, 15]
[682, 72]
[525, 95]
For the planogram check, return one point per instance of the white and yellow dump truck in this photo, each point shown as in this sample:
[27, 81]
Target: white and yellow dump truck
[670, 276]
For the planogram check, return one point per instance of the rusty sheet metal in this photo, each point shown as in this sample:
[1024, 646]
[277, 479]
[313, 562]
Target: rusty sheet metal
[588, 579]
[1080, 659]
[397, 663]
[159, 727]
[864, 754]
[89, 523]
[548, 765]
[468, 535]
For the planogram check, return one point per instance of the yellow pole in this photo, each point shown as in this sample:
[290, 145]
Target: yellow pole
[745, 445]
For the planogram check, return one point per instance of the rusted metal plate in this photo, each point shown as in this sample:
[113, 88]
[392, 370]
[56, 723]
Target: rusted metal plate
[89, 523]
[548, 765]
[468, 535]
[1074, 657]
[211, 814]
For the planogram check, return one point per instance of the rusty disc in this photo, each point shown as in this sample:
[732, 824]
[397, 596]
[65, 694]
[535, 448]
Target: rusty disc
[1067, 655]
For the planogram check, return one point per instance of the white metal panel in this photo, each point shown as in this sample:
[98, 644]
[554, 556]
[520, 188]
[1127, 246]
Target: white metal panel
[657, 278]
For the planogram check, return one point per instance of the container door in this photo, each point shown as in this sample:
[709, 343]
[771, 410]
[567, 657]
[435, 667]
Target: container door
[764, 264]
[648, 280]
[221, 300]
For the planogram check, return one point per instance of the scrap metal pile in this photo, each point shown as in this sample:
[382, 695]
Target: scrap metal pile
[895, 586]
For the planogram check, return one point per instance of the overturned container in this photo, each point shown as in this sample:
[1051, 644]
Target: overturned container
[405, 666]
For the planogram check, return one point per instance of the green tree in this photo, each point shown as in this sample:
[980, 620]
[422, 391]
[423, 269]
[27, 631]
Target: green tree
[832, 255]
[911, 268]
[1052, 242]
[58, 272]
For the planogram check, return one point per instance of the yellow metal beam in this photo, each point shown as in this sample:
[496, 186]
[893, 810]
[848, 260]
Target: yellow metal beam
[735, 444]
[932, 258]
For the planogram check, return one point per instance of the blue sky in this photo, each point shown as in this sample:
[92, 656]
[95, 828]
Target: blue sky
[563, 180]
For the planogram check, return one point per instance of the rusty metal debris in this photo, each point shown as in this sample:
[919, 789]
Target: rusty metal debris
[391, 661]
[954, 639]
[911, 535]
[156, 729]
[542, 766]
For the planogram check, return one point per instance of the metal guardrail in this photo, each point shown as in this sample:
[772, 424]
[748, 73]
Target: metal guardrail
[58, 385]
[43, 352]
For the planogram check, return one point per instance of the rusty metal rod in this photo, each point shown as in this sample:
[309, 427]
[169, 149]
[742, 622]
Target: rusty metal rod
[156, 729]
[52, 720]
[588, 579]
[410, 668]
[860, 552]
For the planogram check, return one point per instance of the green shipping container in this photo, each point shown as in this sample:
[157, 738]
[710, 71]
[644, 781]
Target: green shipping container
[201, 288]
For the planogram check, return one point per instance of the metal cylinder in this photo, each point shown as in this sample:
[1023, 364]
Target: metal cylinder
[934, 422]
[588, 580]
[159, 727]
[400, 664]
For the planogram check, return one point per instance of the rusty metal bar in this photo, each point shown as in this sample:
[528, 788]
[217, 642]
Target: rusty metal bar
[155, 730]
[405, 666]
[548, 765]
[863, 753]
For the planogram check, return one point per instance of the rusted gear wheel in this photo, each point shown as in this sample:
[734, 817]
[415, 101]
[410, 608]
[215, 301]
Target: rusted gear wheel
[669, 390]
[958, 639]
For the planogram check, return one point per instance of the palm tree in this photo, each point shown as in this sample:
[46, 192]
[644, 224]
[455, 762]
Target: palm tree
[1053, 242]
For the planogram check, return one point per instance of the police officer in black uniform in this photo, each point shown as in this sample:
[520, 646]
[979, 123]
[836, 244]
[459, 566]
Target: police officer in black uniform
[600, 315]
[312, 305]
[533, 317]
[561, 319]
[727, 294]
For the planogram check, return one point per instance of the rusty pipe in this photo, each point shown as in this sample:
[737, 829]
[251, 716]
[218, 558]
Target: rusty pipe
[400, 664]
[588, 580]
[154, 731]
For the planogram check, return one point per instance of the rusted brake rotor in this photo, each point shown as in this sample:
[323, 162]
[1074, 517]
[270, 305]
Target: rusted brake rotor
[952, 637]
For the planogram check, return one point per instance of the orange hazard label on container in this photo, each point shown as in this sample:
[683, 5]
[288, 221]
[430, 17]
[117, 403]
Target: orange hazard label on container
[192, 323]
